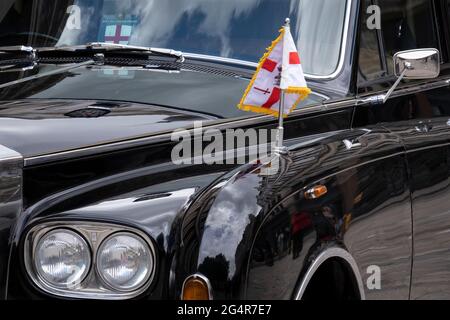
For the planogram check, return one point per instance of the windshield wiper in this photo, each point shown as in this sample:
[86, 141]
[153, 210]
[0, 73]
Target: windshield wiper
[17, 49]
[27, 57]
[109, 47]
[17, 58]
[49, 73]
[21, 58]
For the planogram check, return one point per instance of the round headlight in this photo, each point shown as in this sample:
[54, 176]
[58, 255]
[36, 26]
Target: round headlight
[124, 261]
[62, 258]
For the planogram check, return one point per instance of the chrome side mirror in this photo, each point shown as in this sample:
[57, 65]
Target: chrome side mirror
[415, 64]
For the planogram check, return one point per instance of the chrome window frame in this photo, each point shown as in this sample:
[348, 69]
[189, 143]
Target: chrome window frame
[344, 40]
[250, 64]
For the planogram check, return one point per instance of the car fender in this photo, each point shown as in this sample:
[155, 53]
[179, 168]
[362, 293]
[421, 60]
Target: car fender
[230, 216]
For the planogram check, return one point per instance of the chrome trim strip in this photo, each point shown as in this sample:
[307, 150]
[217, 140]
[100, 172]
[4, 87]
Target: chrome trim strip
[374, 97]
[90, 150]
[221, 124]
[164, 136]
[324, 256]
[17, 49]
[94, 233]
[202, 277]
[434, 146]
[206, 57]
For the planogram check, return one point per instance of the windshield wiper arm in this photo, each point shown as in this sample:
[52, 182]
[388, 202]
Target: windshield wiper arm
[97, 60]
[17, 58]
[13, 49]
[104, 47]
[114, 46]
[96, 47]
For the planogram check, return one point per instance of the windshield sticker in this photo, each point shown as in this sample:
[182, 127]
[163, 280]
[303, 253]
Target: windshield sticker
[117, 30]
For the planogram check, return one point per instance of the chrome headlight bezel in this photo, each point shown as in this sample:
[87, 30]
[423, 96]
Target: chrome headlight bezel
[94, 233]
[83, 242]
[98, 263]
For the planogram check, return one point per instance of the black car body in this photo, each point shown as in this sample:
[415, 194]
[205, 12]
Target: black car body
[80, 148]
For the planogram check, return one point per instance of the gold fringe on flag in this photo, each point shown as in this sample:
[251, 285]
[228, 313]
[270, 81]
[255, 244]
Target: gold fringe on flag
[302, 92]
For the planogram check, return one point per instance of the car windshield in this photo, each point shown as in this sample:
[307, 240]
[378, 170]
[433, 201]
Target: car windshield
[238, 29]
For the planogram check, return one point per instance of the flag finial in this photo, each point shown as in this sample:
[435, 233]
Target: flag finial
[287, 22]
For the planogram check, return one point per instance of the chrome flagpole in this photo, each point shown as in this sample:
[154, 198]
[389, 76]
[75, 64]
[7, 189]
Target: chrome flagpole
[280, 148]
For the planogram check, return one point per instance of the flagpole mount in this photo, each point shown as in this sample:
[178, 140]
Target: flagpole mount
[280, 148]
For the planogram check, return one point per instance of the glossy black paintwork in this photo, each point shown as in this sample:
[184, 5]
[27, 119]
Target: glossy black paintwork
[139, 199]
[49, 126]
[366, 210]
[426, 136]
[89, 189]
[386, 168]
[158, 101]
[423, 123]
[248, 211]
[61, 175]
[183, 89]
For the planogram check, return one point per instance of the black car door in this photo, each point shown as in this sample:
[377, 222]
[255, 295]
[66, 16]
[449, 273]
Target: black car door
[426, 137]
[420, 114]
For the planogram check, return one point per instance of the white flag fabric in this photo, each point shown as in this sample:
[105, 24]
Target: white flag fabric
[279, 69]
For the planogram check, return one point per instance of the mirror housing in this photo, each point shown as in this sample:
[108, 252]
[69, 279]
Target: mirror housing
[417, 64]
[412, 64]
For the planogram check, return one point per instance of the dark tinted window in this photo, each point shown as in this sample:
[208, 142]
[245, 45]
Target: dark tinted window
[405, 25]
[370, 60]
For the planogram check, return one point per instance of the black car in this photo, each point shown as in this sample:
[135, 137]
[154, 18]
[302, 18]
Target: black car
[93, 206]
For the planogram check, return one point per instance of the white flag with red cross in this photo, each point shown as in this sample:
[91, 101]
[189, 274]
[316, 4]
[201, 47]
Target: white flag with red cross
[279, 70]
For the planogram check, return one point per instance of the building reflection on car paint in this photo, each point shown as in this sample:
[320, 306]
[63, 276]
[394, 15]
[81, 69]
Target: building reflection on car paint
[297, 227]
[386, 168]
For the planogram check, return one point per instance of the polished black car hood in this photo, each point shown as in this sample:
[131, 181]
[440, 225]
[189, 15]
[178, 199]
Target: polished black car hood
[34, 127]
[97, 105]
